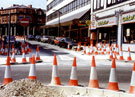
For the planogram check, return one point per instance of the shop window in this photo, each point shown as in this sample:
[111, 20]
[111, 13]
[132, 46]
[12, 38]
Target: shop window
[129, 33]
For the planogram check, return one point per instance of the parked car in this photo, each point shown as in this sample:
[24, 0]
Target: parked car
[30, 37]
[57, 40]
[38, 37]
[44, 39]
[6, 39]
[65, 41]
[51, 39]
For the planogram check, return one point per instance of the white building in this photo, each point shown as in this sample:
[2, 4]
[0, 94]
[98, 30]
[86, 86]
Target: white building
[113, 21]
[65, 18]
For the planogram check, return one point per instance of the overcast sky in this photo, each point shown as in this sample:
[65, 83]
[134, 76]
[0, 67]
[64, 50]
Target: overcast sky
[35, 3]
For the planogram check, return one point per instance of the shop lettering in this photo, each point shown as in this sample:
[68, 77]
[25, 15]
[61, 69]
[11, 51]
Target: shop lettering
[103, 23]
[128, 18]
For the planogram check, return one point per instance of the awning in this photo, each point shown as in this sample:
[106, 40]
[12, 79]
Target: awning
[75, 21]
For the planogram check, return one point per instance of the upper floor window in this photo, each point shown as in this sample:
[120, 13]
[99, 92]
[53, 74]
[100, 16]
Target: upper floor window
[98, 4]
[114, 2]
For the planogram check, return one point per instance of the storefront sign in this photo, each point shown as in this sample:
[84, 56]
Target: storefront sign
[93, 22]
[128, 18]
[107, 22]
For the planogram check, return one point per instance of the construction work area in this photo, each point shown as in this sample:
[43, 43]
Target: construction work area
[104, 54]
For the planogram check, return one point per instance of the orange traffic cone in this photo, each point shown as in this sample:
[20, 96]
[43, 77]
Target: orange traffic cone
[37, 54]
[88, 50]
[55, 75]
[73, 78]
[115, 56]
[96, 52]
[93, 83]
[30, 55]
[68, 46]
[117, 49]
[113, 84]
[84, 48]
[32, 73]
[111, 54]
[13, 59]
[132, 84]
[79, 47]
[7, 76]
[102, 52]
[108, 51]
[129, 55]
[121, 54]
[23, 56]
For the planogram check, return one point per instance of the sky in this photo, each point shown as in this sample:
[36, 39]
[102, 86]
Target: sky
[34, 3]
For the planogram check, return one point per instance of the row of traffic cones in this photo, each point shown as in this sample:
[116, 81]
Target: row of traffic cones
[13, 58]
[93, 81]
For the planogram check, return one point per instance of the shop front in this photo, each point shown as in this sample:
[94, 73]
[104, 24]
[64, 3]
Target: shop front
[128, 22]
[107, 30]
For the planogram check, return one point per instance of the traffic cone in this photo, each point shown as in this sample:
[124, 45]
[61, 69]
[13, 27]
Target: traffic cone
[12, 49]
[32, 73]
[79, 47]
[102, 52]
[7, 76]
[113, 84]
[121, 54]
[37, 54]
[30, 55]
[117, 50]
[73, 77]
[129, 55]
[96, 52]
[6, 50]
[23, 56]
[132, 84]
[68, 46]
[115, 56]
[93, 83]
[108, 51]
[84, 48]
[88, 49]
[55, 75]
[13, 59]
[111, 54]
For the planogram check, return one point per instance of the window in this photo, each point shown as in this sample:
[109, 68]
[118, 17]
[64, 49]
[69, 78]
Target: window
[70, 7]
[114, 2]
[98, 4]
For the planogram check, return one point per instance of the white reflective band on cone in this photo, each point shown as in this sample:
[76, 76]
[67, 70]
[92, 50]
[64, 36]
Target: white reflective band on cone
[93, 74]
[74, 73]
[7, 72]
[113, 77]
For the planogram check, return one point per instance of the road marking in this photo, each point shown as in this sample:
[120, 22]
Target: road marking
[65, 57]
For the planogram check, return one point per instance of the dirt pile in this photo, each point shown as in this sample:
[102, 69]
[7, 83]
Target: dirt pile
[27, 88]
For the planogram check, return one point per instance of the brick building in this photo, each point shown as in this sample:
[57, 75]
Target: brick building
[36, 17]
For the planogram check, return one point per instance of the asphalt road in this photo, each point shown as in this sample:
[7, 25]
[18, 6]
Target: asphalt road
[65, 60]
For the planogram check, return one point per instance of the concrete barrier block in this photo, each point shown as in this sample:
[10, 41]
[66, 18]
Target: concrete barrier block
[110, 93]
[126, 95]
[93, 92]
[70, 90]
